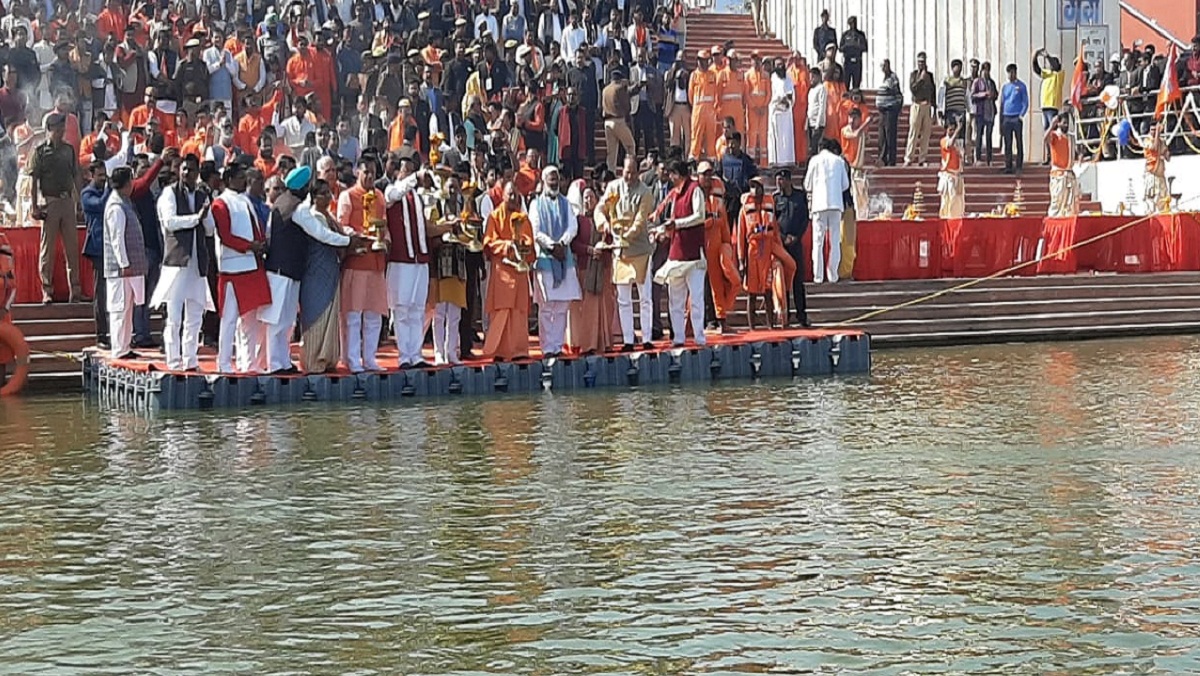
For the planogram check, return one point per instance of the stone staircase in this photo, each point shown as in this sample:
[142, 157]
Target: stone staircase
[986, 187]
[1013, 309]
[56, 334]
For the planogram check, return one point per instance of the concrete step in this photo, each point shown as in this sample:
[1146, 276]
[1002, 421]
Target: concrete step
[1083, 331]
[1013, 295]
[34, 312]
[1046, 320]
[42, 363]
[931, 285]
[70, 344]
[1021, 308]
[55, 383]
[56, 327]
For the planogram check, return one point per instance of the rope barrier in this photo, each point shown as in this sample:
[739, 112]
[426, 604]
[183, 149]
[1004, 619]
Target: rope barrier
[1002, 273]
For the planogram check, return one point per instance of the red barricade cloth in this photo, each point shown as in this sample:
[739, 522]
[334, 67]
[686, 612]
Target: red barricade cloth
[25, 242]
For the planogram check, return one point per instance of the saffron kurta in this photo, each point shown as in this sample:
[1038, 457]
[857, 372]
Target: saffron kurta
[507, 302]
[364, 288]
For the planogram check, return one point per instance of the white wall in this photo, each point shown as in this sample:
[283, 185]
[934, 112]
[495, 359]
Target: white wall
[1112, 181]
[999, 31]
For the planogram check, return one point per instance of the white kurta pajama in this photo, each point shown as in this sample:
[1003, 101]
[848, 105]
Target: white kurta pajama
[826, 181]
[124, 293]
[183, 290]
[781, 133]
[549, 218]
[240, 330]
[279, 317]
[408, 283]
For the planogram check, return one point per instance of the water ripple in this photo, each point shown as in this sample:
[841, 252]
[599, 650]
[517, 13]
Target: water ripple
[1011, 509]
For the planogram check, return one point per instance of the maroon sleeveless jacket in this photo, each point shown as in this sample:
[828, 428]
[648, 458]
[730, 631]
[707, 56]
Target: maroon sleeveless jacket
[402, 216]
[686, 243]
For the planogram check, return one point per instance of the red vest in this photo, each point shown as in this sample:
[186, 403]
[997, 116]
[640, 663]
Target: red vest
[402, 226]
[686, 243]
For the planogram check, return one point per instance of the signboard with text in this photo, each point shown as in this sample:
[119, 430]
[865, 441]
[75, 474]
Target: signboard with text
[1093, 40]
[1075, 13]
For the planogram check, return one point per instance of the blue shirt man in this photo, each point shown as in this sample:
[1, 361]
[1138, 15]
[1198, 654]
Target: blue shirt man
[1014, 104]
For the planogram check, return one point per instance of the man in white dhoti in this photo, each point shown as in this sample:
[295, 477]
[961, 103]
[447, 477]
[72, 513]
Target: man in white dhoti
[182, 285]
[781, 143]
[1157, 190]
[555, 284]
[125, 263]
[950, 182]
[1064, 186]
[826, 181]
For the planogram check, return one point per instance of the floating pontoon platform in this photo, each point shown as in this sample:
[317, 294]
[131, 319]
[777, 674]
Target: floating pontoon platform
[144, 385]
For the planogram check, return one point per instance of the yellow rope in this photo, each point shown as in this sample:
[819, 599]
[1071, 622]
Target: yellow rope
[975, 282]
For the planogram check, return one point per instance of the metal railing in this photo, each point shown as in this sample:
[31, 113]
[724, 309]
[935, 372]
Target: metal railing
[1181, 121]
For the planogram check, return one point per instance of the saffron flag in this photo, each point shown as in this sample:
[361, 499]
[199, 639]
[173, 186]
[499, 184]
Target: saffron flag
[1169, 92]
[1079, 81]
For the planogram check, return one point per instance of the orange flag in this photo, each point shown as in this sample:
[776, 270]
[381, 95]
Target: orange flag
[1079, 81]
[1169, 92]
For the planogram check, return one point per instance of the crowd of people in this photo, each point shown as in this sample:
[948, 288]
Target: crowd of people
[435, 161]
[260, 172]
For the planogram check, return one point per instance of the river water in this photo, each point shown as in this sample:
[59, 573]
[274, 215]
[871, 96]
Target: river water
[1015, 509]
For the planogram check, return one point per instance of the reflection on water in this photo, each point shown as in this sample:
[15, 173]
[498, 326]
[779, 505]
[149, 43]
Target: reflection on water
[1024, 509]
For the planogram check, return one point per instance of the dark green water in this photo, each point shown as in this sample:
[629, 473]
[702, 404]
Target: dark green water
[1015, 509]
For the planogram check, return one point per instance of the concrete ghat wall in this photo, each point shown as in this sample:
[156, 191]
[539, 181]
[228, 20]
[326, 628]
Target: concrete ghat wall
[840, 354]
[999, 31]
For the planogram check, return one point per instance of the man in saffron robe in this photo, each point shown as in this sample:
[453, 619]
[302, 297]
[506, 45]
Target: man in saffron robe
[242, 285]
[556, 284]
[508, 244]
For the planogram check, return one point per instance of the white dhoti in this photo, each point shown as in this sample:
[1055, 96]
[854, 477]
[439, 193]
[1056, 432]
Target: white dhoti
[1157, 193]
[279, 320]
[950, 187]
[554, 303]
[185, 293]
[407, 291]
[861, 190]
[1064, 194]
[124, 294]
[781, 137]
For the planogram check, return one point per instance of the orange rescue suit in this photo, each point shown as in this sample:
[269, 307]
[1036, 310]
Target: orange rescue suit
[759, 245]
[731, 85]
[718, 251]
[758, 101]
[702, 92]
